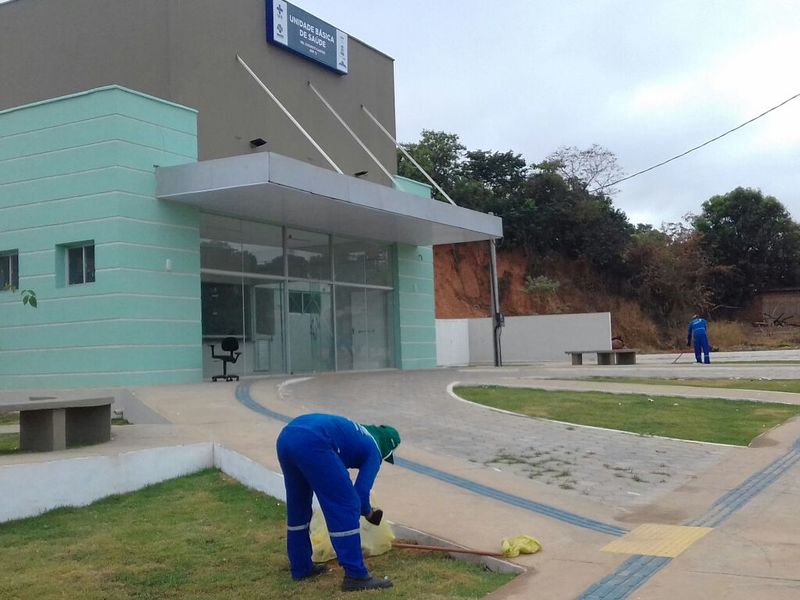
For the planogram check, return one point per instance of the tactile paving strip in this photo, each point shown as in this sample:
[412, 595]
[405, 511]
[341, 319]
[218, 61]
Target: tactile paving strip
[652, 539]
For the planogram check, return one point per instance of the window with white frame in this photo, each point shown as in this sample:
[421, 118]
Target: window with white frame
[9, 270]
[80, 264]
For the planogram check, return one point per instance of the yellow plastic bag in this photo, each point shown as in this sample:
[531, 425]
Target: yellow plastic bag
[375, 539]
[522, 544]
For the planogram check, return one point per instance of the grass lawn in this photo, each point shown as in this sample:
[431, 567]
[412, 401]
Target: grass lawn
[700, 419]
[769, 385]
[9, 443]
[200, 537]
[9, 418]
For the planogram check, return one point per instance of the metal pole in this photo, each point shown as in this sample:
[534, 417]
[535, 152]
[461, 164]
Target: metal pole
[289, 115]
[498, 322]
[407, 155]
[383, 169]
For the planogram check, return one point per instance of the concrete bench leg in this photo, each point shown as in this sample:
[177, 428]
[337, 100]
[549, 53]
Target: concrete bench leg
[42, 430]
[577, 358]
[626, 358]
[605, 358]
[88, 425]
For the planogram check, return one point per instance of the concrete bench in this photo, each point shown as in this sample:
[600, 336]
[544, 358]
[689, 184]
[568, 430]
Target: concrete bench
[49, 423]
[624, 356]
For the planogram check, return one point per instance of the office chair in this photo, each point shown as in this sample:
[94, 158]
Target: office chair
[229, 345]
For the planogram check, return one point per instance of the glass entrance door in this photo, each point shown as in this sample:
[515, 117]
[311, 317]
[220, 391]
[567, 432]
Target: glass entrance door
[267, 334]
[363, 329]
[310, 327]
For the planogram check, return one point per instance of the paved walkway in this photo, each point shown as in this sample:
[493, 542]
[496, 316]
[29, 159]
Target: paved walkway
[474, 476]
[619, 470]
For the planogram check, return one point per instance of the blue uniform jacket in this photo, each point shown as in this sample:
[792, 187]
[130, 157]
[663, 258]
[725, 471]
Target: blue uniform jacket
[696, 326]
[356, 448]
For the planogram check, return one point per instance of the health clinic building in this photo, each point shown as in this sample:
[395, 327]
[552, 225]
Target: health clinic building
[176, 172]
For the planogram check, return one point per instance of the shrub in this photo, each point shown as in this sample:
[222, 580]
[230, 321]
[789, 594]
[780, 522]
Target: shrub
[540, 284]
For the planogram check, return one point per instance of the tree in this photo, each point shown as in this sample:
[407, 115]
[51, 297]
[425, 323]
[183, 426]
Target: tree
[752, 243]
[668, 272]
[503, 173]
[440, 154]
[593, 169]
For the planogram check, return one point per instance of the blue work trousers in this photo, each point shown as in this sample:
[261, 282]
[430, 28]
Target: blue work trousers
[701, 344]
[310, 465]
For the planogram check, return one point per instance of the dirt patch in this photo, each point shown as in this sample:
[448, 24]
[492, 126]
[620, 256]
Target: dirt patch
[463, 290]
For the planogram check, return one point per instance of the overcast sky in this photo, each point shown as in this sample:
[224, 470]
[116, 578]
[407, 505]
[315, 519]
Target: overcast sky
[647, 79]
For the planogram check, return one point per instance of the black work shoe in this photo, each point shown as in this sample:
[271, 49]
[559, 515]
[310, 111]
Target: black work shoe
[315, 570]
[352, 584]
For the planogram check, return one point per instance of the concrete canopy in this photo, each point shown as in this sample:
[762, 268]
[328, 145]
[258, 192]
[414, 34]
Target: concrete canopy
[265, 186]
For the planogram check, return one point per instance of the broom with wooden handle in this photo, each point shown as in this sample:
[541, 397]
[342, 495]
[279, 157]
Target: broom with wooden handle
[446, 549]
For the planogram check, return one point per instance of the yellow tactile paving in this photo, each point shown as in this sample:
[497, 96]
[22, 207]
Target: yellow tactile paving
[652, 539]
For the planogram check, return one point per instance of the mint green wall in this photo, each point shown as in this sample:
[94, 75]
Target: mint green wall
[415, 331]
[81, 168]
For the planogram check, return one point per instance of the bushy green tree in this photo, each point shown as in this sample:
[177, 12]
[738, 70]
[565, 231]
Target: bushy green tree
[751, 242]
[440, 154]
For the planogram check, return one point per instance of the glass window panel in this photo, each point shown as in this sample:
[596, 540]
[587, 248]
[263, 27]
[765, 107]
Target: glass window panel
[88, 258]
[309, 254]
[220, 255]
[379, 265]
[262, 248]
[221, 243]
[359, 261]
[9, 271]
[223, 308]
[296, 302]
[312, 303]
[75, 265]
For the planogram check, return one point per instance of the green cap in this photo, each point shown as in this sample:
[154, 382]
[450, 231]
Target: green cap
[387, 439]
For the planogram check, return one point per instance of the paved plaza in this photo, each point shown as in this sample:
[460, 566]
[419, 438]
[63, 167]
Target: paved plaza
[473, 475]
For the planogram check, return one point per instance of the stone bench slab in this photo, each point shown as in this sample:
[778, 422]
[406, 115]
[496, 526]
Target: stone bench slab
[48, 423]
[622, 356]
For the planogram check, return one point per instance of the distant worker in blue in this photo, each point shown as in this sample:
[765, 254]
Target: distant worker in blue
[698, 329]
[315, 452]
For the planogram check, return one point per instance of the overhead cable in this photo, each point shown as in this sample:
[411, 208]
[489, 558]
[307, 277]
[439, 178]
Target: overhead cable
[669, 160]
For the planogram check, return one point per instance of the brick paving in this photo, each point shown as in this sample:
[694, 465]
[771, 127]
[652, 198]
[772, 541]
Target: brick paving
[616, 469]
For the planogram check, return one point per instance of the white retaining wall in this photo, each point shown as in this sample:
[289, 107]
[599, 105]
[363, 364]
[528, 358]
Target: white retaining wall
[30, 489]
[524, 339]
[452, 342]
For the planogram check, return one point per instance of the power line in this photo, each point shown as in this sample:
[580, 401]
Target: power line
[669, 160]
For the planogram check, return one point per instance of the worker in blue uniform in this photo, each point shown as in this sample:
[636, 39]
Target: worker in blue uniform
[698, 329]
[315, 452]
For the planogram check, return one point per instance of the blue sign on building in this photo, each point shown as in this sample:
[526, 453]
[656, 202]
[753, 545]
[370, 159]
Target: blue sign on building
[306, 35]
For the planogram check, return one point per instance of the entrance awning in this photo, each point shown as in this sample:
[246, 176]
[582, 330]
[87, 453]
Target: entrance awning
[270, 187]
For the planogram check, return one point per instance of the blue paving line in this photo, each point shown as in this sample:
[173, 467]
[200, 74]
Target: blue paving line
[243, 396]
[736, 498]
[518, 501]
[635, 571]
[628, 577]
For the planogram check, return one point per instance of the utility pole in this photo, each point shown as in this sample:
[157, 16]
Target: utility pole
[498, 321]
